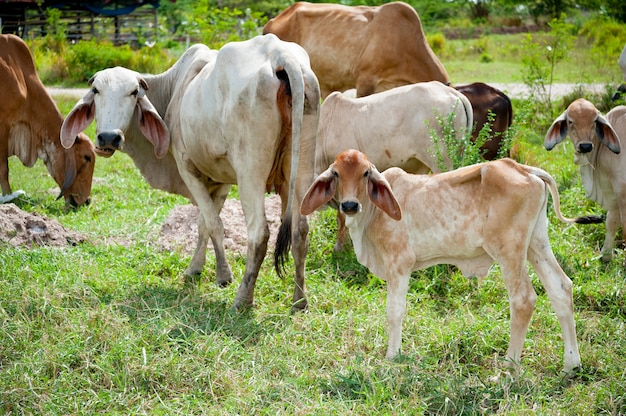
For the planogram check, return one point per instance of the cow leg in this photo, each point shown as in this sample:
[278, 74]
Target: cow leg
[559, 289]
[612, 222]
[342, 232]
[224, 275]
[397, 288]
[299, 249]
[522, 299]
[253, 204]
[210, 201]
[4, 163]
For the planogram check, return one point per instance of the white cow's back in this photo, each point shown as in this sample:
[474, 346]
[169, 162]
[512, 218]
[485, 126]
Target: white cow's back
[392, 127]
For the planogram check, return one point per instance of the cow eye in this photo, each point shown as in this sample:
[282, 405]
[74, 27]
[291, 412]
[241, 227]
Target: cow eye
[335, 174]
[366, 174]
[134, 93]
[94, 90]
[88, 159]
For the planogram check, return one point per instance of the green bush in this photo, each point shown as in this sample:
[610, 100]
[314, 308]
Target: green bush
[87, 57]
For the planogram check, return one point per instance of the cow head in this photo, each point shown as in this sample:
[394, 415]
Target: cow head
[114, 97]
[585, 126]
[351, 179]
[79, 163]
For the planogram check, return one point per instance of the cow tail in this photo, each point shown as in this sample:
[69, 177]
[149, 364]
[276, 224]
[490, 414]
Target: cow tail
[296, 83]
[554, 191]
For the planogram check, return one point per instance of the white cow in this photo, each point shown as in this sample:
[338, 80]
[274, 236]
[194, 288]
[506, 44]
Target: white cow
[392, 127]
[239, 116]
[470, 217]
[602, 167]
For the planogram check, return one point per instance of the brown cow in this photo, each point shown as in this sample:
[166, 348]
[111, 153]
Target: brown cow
[30, 125]
[371, 49]
[484, 99]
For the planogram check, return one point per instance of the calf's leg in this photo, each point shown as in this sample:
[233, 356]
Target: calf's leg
[612, 223]
[559, 289]
[397, 288]
[522, 299]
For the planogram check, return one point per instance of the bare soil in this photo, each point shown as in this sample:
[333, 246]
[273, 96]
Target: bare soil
[179, 231]
[20, 228]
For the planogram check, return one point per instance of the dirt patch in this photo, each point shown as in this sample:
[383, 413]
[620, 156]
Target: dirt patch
[20, 228]
[179, 232]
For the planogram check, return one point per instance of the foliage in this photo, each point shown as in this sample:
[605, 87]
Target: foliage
[541, 58]
[215, 26]
[87, 57]
[607, 37]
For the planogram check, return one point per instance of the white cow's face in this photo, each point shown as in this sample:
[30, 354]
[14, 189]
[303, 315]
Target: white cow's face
[116, 92]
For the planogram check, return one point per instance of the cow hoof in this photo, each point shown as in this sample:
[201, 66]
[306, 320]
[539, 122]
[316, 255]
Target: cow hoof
[224, 283]
[191, 279]
[243, 306]
[299, 306]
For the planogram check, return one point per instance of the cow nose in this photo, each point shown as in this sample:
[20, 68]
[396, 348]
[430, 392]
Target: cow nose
[350, 207]
[585, 147]
[110, 139]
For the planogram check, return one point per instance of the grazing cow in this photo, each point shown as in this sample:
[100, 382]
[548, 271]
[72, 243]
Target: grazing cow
[240, 116]
[371, 49]
[602, 167]
[392, 127]
[486, 99]
[400, 223]
[30, 122]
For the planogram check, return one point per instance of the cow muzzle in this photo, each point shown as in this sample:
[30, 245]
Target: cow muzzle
[108, 142]
[350, 207]
[584, 147]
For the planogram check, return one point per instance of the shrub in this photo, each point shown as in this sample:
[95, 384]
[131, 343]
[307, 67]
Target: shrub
[437, 43]
[88, 57]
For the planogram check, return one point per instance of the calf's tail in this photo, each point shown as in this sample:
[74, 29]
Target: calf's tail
[554, 191]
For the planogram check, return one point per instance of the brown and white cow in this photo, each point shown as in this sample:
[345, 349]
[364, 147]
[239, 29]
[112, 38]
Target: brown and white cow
[371, 49]
[30, 122]
[486, 99]
[238, 116]
[393, 127]
[400, 223]
[598, 155]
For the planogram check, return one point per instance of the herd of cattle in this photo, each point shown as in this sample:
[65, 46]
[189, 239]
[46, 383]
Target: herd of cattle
[271, 114]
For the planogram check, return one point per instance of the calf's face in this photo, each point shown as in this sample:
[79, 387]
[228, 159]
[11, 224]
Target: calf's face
[586, 127]
[351, 180]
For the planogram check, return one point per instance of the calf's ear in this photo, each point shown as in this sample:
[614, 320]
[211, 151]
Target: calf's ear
[607, 135]
[78, 119]
[321, 191]
[557, 131]
[382, 196]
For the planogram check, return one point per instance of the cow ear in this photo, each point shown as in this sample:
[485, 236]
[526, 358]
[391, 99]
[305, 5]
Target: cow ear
[607, 135]
[320, 192]
[78, 119]
[557, 131]
[153, 127]
[382, 196]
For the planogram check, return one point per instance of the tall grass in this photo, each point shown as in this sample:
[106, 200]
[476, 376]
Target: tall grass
[108, 326]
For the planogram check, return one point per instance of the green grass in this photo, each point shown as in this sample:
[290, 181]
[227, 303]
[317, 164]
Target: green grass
[108, 326]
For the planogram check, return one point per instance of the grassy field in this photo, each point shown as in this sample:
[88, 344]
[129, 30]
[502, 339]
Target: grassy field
[107, 326]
